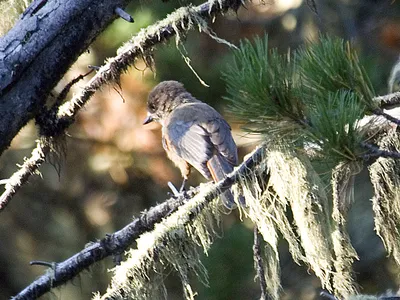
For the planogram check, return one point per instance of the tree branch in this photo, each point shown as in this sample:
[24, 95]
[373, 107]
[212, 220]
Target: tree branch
[29, 167]
[38, 51]
[388, 101]
[141, 44]
[380, 112]
[119, 241]
[375, 152]
[110, 72]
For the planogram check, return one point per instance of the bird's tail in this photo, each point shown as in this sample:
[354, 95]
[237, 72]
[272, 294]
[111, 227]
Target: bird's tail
[219, 168]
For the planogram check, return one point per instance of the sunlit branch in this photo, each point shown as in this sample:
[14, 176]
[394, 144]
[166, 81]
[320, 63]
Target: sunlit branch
[388, 101]
[118, 242]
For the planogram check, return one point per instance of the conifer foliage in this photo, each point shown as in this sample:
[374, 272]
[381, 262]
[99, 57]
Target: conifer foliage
[313, 109]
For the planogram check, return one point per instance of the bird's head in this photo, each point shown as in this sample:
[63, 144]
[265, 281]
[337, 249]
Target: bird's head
[164, 98]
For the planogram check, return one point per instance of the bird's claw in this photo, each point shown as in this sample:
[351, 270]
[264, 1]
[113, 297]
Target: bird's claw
[175, 193]
[184, 194]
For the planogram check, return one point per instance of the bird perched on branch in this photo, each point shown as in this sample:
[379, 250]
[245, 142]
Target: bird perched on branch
[193, 133]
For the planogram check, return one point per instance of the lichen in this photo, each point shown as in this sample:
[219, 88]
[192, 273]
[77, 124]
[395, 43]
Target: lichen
[173, 244]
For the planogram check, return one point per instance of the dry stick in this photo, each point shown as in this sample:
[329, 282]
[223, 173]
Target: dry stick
[258, 264]
[118, 242]
[110, 72]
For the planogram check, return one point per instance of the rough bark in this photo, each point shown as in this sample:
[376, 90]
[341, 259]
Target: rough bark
[39, 49]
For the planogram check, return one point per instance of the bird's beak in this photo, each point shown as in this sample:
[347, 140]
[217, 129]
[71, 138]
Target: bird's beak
[148, 119]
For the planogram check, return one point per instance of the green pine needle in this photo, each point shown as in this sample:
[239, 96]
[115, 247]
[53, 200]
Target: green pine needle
[314, 96]
[331, 65]
[260, 88]
[334, 126]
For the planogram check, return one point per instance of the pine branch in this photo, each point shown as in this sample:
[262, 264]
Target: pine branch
[388, 101]
[110, 72]
[118, 242]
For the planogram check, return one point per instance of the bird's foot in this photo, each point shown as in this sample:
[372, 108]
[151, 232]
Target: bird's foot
[174, 190]
[175, 193]
[184, 194]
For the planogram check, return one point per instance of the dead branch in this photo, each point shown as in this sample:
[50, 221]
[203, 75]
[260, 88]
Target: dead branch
[118, 242]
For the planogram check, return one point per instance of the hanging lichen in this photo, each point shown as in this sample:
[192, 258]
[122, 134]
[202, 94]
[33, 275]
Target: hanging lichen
[385, 178]
[174, 243]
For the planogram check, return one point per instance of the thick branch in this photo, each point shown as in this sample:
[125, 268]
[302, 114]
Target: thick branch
[113, 244]
[39, 49]
[139, 46]
[119, 241]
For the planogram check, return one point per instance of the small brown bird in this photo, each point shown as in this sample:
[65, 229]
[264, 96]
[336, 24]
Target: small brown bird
[194, 134]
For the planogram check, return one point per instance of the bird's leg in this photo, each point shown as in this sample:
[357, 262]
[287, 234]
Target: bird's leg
[175, 192]
[181, 192]
[183, 188]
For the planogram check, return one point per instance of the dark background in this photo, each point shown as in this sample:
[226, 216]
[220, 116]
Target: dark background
[114, 167]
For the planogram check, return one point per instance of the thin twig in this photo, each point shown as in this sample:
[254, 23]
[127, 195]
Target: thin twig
[60, 98]
[42, 263]
[119, 241]
[123, 15]
[259, 264]
[380, 112]
[375, 152]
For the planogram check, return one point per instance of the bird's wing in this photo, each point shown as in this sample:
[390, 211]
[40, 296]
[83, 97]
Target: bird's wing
[192, 143]
[220, 135]
[197, 141]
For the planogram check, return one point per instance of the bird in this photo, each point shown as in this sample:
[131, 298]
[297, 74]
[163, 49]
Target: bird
[193, 134]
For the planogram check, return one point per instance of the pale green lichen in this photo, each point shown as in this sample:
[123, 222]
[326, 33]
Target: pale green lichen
[385, 178]
[283, 183]
[180, 21]
[262, 215]
[173, 243]
[343, 194]
[295, 180]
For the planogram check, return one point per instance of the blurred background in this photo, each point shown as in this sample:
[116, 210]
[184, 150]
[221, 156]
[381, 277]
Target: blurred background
[115, 167]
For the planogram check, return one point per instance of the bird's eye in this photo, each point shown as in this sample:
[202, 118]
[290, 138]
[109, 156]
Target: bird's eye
[152, 107]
